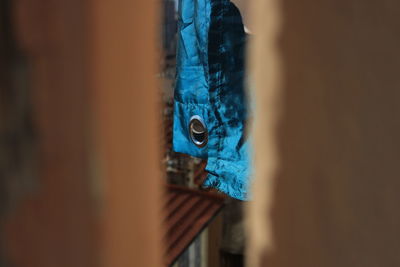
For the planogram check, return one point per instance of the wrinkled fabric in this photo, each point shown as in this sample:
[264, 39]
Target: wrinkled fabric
[210, 84]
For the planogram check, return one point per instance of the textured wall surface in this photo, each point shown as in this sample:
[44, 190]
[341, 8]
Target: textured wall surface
[327, 145]
[79, 165]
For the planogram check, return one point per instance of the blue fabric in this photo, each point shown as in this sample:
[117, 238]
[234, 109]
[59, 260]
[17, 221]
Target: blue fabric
[210, 84]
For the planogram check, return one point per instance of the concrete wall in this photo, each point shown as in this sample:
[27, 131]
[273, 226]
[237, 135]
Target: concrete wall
[95, 199]
[327, 129]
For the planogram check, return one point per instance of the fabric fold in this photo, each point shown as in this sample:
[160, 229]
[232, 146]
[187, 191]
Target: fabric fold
[210, 84]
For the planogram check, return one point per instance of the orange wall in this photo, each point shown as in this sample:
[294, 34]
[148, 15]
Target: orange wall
[124, 65]
[95, 199]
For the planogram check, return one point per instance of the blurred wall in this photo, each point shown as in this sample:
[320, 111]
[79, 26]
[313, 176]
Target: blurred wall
[327, 145]
[93, 198]
[123, 36]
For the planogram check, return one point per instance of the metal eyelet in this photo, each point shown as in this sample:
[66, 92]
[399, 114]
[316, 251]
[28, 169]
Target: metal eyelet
[198, 131]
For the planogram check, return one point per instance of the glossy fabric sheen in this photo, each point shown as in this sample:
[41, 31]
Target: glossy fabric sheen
[210, 84]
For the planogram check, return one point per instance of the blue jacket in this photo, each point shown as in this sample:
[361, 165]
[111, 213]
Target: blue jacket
[209, 102]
